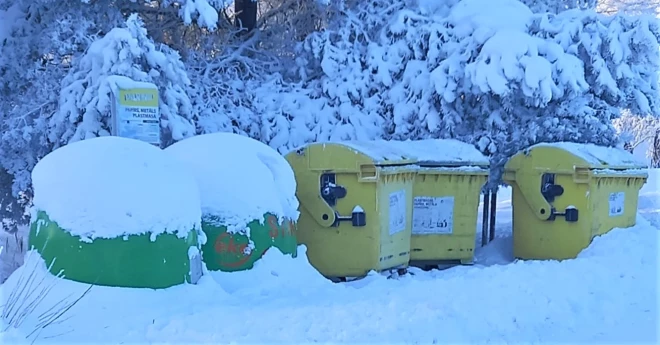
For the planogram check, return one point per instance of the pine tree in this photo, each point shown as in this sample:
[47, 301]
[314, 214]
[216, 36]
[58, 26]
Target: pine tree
[38, 41]
[85, 99]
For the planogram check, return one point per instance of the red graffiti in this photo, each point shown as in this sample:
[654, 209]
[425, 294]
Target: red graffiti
[275, 230]
[224, 247]
[273, 226]
[232, 251]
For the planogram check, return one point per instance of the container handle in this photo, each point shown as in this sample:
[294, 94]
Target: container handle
[368, 173]
[581, 174]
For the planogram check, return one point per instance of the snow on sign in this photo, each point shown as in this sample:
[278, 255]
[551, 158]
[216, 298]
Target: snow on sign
[617, 201]
[433, 215]
[136, 115]
[397, 211]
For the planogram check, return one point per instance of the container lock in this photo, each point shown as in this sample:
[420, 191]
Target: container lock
[570, 214]
[330, 191]
[358, 218]
[550, 191]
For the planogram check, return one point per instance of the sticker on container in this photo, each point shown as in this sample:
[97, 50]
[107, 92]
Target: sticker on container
[433, 215]
[617, 201]
[397, 211]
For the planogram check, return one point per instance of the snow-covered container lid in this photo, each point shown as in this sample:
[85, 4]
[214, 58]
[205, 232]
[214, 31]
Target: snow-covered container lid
[111, 187]
[428, 152]
[121, 82]
[594, 156]
[240, 179]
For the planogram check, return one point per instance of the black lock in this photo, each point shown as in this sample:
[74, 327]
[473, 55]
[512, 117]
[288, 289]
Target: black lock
[571, 214]
[359, 218]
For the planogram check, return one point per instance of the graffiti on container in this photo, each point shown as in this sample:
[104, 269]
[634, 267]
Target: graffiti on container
[275, 230]
[232, 249]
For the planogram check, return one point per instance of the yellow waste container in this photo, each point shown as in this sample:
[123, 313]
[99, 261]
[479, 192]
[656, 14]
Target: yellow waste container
[565, 194]
[355, 206]
[445, 200]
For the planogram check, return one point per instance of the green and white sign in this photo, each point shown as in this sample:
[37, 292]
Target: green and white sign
[136, 114]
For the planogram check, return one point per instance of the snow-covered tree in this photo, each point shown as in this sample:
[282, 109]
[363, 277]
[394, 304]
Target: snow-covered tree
[38, 41]
[85, 99]
[629, 6]
[285, 23]
[560, 77]
[245, 90]
[655, 150]
[343, 68]
[501, 74]
[636, 130]
[494, 73]
[557, 6]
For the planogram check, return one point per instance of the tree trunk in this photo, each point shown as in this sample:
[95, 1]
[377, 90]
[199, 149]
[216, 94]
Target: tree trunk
[485, 219]
[628, 147]
[655, 153]
[246, 14]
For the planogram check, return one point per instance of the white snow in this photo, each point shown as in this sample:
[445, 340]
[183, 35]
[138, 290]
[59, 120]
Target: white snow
[598, 155]
[202, 12]
[638, 172]
[431, 167]
[278, 274]
[11, 335]
[8, 19]
[428, 151]
[108, 187]
[641, 152]
[649, 200]
[12, 250]
[607, 295]
[121, 82]
[492, 15]
[240, 179]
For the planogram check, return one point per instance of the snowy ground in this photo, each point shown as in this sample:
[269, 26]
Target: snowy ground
[607, 295]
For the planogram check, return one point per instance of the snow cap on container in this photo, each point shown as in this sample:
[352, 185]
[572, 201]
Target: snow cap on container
[240, 179]
[109, 187]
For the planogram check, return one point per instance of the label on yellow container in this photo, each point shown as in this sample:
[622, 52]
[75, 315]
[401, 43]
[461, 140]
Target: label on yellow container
[617, 202]
[433, 215]
[397, 211]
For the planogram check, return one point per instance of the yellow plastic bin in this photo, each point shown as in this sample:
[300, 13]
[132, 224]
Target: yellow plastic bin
[445, 200]
[565, 194]
[355, 206]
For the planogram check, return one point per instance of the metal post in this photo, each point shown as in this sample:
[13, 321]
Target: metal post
[485, 218]
[493, 212]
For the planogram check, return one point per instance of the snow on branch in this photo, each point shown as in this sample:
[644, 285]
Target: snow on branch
[491, 72]
[85, 100]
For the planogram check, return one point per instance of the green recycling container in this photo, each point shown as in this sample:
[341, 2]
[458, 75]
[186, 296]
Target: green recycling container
[129, 261]
[235, 251]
